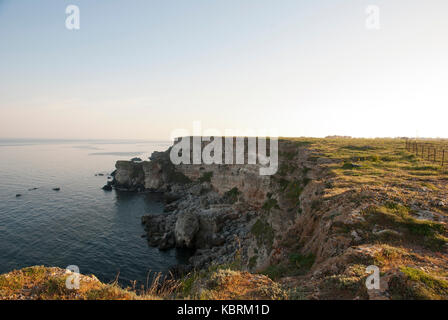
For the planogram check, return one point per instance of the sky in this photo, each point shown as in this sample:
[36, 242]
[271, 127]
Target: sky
[142, 69]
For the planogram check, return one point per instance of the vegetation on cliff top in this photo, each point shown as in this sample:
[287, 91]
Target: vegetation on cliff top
[42, 283]
[378, 200]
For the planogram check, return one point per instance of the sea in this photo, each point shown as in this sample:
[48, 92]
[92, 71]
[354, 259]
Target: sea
[100, 232]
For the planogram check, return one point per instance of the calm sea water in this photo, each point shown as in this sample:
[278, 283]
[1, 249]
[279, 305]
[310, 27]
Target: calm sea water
[81, 224]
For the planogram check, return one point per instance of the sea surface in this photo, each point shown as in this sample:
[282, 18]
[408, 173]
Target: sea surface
[82, 225]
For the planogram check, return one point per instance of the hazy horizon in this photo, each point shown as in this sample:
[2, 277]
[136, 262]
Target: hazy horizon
[131, 140]
[140, 70]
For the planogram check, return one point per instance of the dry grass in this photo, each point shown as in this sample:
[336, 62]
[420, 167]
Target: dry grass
[377, 161]
[226, 284]
[42, 283]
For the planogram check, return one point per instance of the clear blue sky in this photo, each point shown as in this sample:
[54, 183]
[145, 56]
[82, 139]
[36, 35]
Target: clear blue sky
[142, 68]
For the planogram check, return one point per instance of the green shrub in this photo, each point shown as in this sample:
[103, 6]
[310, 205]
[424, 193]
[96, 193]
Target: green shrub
[269, 204]
[395, 215]
[417, 284]
[253, 261]
[206, 177]
[275, 271]
[296, 265]
[263, 233]
[231, 196]
[302, 261]
[294, 190]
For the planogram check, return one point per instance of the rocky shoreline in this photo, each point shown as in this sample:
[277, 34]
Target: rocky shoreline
[225, 214]
[200, 220]
[201, 213]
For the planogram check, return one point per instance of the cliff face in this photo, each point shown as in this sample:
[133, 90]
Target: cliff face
[223, 178]
[129, 175]
[159, 174]
[222, 211]
[332, 209]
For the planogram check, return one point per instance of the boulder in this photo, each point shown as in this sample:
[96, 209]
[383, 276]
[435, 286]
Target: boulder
[429, 215]
[208, 227]
[158, 228]
[129, 175]
[168, 241]
[170, 197]
[170, 207]
[107, 187]
[187, 225]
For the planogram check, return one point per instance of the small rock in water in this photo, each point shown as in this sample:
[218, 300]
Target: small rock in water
[56, 189]
[32, 189]
[107, 187]
[18, 195]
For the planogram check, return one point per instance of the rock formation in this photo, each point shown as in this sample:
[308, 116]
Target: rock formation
[187, 225]
[295, 225]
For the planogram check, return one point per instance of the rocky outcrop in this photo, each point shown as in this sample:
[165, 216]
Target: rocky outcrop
[187, 225]
[159, 174]
[159, 229]
[129, 175]
[200, 219]
[209, 208]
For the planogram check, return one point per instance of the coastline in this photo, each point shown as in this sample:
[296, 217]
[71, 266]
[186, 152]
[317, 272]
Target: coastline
[313, 230]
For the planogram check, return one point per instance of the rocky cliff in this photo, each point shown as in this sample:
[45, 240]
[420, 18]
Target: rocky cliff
[333, 208]
[214, 209]
[159, 174]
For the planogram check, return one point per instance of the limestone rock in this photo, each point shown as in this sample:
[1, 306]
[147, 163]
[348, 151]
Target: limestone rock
[168, 241]
[129, 175]
[187, 225]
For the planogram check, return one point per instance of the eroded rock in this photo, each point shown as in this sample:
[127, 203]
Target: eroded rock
[187, 225]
